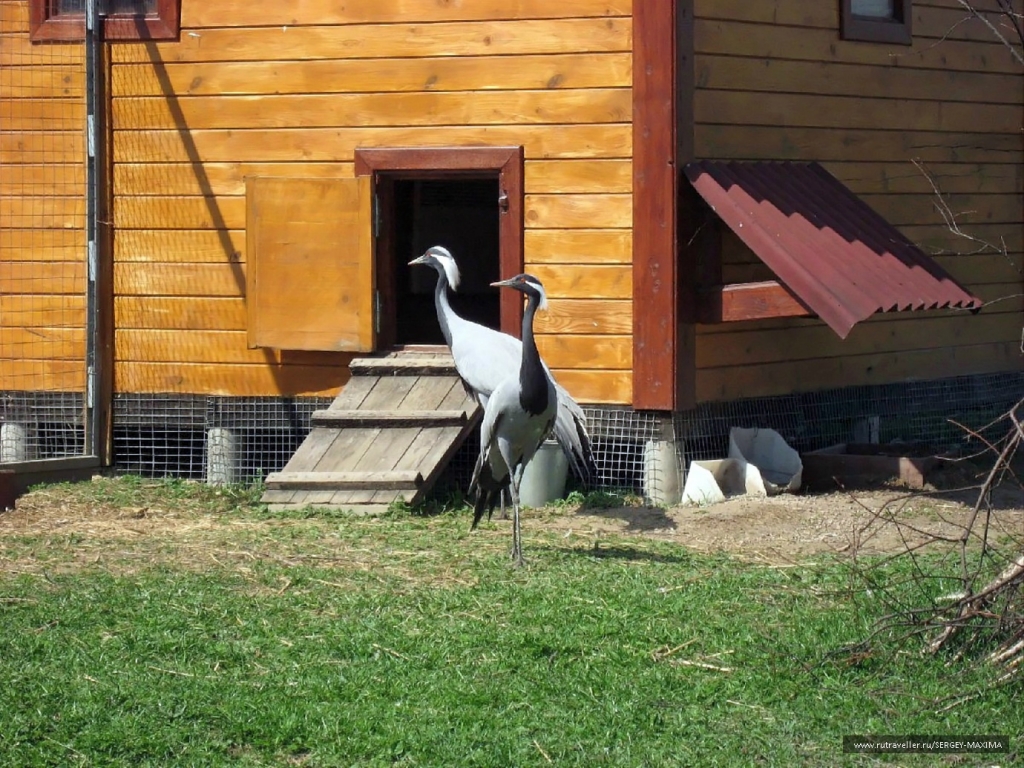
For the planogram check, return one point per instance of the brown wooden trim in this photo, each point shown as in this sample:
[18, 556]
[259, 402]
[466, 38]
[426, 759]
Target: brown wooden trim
[510, 236]
[384, 253]
[750, 301]
[688, 273]
[392, 159]
[165, 24]
[506, 162]
[866, 29]
[655, 189]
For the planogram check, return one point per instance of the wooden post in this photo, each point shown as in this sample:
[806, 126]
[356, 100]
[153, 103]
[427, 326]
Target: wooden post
[664, 335]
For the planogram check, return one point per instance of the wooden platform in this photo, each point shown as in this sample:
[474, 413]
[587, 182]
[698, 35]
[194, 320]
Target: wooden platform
[387, 436]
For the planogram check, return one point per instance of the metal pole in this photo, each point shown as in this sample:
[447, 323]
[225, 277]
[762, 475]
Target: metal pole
[94, 135]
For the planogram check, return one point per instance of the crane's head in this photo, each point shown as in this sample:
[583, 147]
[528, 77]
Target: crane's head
[441, 259]
[527, 284]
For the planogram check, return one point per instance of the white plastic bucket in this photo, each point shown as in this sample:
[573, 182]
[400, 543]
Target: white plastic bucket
[544, 477]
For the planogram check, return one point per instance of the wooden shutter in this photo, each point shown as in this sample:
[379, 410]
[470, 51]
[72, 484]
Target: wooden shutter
[310, 264]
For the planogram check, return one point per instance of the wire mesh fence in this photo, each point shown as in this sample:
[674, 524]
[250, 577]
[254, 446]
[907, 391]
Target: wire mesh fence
[42, 243]
[922, 411]
[172, 435]
[243, 439]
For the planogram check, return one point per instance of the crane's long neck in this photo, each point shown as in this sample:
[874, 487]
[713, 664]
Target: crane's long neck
[444, 310]
[533, 379]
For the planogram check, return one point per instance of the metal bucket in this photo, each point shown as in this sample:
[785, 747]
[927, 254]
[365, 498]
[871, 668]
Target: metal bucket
[544, 477]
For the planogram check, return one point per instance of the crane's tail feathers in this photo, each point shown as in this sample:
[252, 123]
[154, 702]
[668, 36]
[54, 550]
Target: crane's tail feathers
[484, 502]
[486, 488]
[474, 483]
[570, 431]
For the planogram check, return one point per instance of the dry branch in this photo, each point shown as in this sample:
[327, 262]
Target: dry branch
[995, 605]
[992, 605]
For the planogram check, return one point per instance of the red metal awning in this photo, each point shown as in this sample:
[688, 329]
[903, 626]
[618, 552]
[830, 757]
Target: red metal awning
[826, 245]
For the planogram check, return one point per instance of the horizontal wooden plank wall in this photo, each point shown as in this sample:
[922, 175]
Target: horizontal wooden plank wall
[42, 210]
[291, 89]
[775, 82]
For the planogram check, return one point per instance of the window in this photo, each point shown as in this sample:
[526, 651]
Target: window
[876, 21]
[122, 19]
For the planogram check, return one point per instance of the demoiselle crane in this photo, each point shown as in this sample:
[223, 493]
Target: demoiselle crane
[485, 357]
[518, 417]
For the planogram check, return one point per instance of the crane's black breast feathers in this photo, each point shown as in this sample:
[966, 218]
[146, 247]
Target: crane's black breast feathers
[534, 392]
[534, 400]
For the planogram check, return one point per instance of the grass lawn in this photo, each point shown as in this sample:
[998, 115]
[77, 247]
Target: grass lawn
[146, 623]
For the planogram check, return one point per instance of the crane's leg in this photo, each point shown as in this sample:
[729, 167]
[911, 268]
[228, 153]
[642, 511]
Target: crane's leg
[517, 540]
[504, 515]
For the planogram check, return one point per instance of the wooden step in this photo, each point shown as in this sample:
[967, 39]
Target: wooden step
[338, 418]
[393, 480]
[402, 366]
[371, 452]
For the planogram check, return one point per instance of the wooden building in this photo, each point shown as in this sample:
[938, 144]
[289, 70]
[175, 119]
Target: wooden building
[275, 164]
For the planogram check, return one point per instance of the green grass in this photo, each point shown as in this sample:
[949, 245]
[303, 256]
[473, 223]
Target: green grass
[225, 635]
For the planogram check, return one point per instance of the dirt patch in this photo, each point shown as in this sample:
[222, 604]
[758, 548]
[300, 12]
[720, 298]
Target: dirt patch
[794, 526]
[62, 528]
[870, 521]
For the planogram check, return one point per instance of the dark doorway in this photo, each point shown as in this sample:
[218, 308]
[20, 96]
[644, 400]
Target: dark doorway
[462, 214]
[468, 199]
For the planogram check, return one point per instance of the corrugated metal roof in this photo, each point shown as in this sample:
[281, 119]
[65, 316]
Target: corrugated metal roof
[823, 242]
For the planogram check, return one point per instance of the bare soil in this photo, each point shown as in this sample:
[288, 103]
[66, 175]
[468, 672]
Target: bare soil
[878, 520]
[787, 527]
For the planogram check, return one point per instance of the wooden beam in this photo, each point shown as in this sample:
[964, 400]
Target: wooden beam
[354, 418]
[655, 188]
[750, 301]
[345, 481]
[399, 366]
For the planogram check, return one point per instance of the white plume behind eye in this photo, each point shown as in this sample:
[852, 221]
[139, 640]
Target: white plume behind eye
[536, 284]
[451, 269]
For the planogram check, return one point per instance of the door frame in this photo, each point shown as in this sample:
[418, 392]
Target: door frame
[385, 164]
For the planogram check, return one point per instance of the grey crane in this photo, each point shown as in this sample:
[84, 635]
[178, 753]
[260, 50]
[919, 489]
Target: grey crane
[485, 357]
[518, 417]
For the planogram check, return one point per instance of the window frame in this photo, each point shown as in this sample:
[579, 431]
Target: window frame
[44, 25]
[871, 30]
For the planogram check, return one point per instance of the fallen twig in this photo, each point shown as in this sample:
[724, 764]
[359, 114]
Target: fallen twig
[663, 653]
[956, 703]
[702, 665]
[391, 651]
[541, 750]
[170, 671]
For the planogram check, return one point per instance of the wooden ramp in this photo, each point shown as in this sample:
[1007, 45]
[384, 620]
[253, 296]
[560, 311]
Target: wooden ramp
[387, 436]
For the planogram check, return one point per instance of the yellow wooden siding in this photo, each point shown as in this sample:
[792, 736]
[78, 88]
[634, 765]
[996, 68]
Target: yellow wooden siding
[774, 82]
[227, 13]
[338, 144]
[42, 210]
[312, 37]
[593, 105]
[295, 96]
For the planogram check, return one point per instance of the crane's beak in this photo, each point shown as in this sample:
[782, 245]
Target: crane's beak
[511, 283]
[419, 260]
